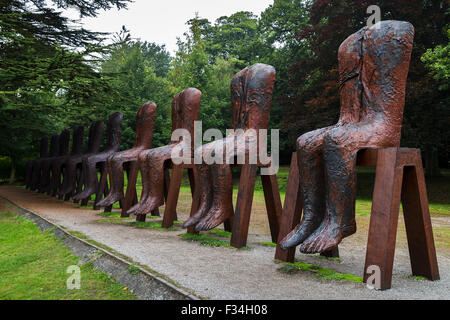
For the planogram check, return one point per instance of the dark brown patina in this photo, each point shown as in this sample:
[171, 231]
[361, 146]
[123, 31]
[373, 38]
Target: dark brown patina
[251, 96]
[185, 110]
[373, 68]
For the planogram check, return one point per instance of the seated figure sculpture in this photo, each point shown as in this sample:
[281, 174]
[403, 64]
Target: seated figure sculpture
[32, 165]
[251, 96]
[185, 110]
[90, 162]
[145, 120]
[59, 163]
[63, 147]
[373, 68]
[42, 174]
[72, 175]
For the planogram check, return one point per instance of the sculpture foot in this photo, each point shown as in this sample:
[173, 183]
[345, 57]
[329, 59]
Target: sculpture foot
[149, 205]
[83, 195]
[192, 221]
[110, 200]
[133, 209]
[215, 217]
[299, 234]
[326, 238]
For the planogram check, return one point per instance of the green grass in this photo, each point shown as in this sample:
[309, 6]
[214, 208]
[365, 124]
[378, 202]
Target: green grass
[208, 240]
[221, 233]
[33, 265]
[152, 225]
[318, 271]
[329, 258]
[268, 244]
[133, 270]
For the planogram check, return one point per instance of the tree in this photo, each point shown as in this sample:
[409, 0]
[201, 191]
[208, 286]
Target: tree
[45, 63]
[132, 68]
[316, 102]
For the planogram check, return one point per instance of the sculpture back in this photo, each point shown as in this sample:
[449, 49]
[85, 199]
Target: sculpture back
[145, 121]
[95, 136]
[251, 96]
[77, 140]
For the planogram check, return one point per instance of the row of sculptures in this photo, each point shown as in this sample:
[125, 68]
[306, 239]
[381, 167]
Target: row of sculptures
[373, 68]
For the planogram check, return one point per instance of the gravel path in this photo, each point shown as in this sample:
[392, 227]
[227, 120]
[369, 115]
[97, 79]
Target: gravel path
[223, 273]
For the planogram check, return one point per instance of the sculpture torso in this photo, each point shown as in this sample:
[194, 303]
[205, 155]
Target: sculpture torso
[185, 110]
[373, 68]
[145, 119]
[95, 136]
[251, 95]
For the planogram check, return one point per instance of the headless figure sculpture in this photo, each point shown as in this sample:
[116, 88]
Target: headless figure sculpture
[59, 163]
[145, 121]
[43, 175]
[373, 68]
[90, 162]
[73, 164]
[64, 141]
[61, 141]
[33, 168]
[185, 109]
[251, 96]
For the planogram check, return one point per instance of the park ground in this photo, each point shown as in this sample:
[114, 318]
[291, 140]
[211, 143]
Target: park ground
[30, 254]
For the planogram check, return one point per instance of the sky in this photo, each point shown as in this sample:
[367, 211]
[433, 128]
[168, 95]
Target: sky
[162, 21]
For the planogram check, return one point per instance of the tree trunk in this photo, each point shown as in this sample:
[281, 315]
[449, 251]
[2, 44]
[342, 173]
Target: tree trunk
[12, 176]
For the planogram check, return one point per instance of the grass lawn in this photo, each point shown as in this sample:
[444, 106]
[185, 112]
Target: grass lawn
[33, 266]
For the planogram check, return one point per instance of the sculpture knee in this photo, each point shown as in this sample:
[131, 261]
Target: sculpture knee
[309, 142]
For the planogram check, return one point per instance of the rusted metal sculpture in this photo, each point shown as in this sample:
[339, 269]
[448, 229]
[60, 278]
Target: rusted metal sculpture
[145, 121]
[72, 174]
[33, 169]
[251, 94]
[64, 141]
[373, 68]
[59, 163]
[91, 162]
[63, 146]
[185, 110]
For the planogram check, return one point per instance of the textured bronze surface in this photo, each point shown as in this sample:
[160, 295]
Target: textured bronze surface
[90, 162]
[72, 177]
[33, 166]
[185, 110]
[145, 121]
[373, 68]
[59, 163]
[251, 96]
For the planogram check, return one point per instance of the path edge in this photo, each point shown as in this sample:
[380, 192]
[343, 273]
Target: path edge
[145, 285]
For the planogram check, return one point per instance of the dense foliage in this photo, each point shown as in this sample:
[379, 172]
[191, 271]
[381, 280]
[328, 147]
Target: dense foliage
[54, 74]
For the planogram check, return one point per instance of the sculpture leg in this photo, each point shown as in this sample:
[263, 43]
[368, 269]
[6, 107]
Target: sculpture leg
[155, 159]
[114, 168]
[340, 152]
[203, 192]
[152, 169]
[45, 177]
[90, 179]
[145, 172]
[222, 205]
[312, 186]
[68, 185]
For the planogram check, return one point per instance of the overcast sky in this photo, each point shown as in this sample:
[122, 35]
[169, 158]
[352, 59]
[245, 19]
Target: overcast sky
[162, 21]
